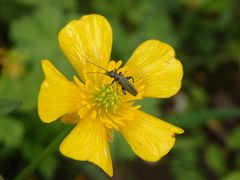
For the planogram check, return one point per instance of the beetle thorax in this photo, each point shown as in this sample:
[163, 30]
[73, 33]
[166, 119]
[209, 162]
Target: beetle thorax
[111, 73]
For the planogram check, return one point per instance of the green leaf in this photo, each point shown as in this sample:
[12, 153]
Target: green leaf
[232, 176]
[37, 36]
[48, 167]
[195, 119]
[120, 149]
[7, 106]
[215, 158]
[216, 6]
[41, 39]
[237, 161]
[1, 178]
[65, 4]
[42, 28]
[232, 141]
[149, 105]
[93, 171]
[184, 162]
[11, 131]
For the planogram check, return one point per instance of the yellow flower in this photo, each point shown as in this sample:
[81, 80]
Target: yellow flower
[96, 106]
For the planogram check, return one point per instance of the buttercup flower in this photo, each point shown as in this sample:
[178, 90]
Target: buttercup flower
[96, 105]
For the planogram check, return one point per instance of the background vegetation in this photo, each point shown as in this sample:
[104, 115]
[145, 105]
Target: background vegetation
[206, 37]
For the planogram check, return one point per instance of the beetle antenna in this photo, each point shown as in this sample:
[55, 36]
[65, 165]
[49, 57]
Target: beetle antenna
[97, 65]
[95, 72]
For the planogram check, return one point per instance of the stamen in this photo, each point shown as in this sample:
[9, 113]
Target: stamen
[106, 98]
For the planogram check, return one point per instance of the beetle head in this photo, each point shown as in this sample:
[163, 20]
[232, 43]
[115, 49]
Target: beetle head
[110, 73]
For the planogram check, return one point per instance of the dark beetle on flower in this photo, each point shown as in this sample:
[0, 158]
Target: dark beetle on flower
[120, 79]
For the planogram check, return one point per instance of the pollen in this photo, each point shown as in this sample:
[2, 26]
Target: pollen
[106, 98]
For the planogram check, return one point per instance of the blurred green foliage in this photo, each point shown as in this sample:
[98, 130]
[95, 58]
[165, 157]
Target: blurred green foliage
[206, 37]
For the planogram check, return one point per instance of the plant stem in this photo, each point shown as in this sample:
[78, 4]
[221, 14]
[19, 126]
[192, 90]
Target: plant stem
[49, 150]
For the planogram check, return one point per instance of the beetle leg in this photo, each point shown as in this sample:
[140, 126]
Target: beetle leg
[116, 84]
[113, 81]
[117, 87]
[130, 77]
[124, 91]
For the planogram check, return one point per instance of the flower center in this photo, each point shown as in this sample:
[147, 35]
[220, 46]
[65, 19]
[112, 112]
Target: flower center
[106, 98]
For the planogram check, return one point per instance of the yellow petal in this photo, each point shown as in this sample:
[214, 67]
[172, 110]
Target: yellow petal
[88, 141]
[70, 118]
[154, 64]
[150, 138]
[57, 95]
[87, 39]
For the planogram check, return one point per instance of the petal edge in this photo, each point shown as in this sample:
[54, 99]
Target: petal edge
[57, 95]
[150, 138]
[88, 142]
[154, 63]
[87, 39]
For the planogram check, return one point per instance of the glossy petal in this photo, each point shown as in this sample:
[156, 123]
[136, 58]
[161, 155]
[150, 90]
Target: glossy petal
[150, 138]
[88, 141]
[154, 64]
[57, 95]
[87, 39]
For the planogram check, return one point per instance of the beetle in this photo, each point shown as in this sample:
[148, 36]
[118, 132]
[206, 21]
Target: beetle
[123, 81]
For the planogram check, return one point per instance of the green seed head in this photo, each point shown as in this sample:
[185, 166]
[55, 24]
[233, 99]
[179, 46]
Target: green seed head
[106, 98]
